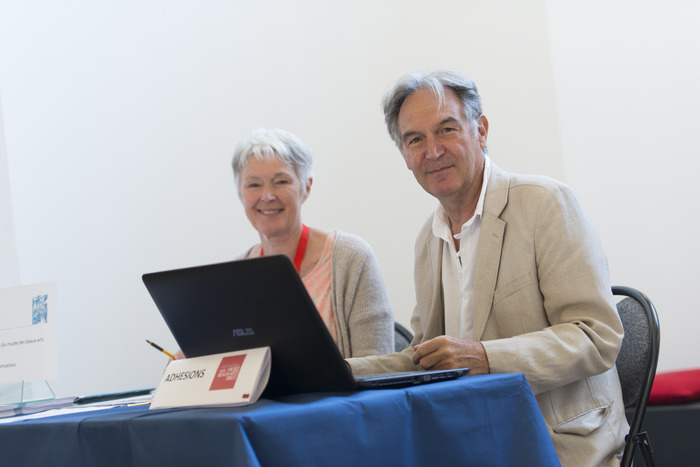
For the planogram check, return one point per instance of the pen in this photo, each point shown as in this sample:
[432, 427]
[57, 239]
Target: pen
[161, 349]
[111, 396]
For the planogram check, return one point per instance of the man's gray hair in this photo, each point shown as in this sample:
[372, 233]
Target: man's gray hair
[270, 143]
[436, 81]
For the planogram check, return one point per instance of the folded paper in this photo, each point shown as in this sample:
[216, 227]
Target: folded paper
[226, 379]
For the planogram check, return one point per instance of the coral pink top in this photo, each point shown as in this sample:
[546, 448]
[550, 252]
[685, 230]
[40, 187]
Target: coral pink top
[318, 284]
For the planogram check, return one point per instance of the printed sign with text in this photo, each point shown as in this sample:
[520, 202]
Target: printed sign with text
[28, 348]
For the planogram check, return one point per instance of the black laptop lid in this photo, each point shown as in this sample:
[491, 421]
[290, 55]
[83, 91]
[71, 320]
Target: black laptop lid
[252, 303]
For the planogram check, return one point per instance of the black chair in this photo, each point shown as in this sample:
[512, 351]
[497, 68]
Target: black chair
[402, 337]
[636, 365]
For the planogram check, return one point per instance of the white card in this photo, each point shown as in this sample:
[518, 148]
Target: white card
[226, 379]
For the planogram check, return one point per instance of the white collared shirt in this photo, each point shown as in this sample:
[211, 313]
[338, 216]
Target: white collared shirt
[459, 267]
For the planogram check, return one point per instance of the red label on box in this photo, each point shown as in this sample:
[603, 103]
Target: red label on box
[227, 373]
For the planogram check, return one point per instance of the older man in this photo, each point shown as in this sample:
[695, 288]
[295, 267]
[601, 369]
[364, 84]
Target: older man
[510, 274]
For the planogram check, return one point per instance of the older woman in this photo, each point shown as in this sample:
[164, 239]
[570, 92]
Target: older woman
[272, 169]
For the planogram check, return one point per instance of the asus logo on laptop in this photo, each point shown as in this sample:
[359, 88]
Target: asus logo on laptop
[243, 332]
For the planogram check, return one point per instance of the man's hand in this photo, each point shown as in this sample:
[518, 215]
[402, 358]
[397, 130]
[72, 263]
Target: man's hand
[446, 352]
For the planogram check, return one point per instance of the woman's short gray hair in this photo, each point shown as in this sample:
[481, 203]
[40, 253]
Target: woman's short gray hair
[436, 81]
[270, 143]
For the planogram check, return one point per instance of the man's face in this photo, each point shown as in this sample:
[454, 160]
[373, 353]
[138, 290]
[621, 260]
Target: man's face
[439, 145]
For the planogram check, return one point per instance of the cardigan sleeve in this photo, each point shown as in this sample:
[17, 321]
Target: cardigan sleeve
[363, 312]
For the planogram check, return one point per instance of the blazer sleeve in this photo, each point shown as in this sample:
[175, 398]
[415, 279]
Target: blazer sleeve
[422, 315]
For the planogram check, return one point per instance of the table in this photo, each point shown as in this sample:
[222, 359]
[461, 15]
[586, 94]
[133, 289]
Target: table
[489, 420]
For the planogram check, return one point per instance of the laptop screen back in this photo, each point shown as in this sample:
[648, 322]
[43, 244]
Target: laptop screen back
[252, 303]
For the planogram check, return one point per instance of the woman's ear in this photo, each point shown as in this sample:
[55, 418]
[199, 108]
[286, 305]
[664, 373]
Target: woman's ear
[307, 188]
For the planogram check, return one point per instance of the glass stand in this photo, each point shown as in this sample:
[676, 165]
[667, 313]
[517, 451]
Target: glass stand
[25, 391]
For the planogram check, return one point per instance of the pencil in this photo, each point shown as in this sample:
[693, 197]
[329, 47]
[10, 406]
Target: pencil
[161, 349]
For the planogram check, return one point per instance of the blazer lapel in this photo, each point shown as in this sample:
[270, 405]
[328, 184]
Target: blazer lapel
[436, 320]
[490, 245]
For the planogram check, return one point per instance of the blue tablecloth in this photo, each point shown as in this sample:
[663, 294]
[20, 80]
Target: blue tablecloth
[490, 420]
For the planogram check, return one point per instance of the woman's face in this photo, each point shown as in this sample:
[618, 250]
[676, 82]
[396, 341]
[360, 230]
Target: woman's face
[272, 196]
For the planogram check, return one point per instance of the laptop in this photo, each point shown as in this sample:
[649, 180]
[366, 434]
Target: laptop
[262, 302]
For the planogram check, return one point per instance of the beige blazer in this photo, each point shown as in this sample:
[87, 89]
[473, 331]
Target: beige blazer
[543, 307]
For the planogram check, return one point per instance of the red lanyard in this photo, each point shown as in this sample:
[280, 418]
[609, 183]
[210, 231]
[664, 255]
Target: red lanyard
[301, 247]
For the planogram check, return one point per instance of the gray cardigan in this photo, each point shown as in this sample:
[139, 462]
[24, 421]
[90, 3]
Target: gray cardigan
[364, 319]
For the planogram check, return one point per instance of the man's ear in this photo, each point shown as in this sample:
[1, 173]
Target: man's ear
[483, 130]
[405, 160]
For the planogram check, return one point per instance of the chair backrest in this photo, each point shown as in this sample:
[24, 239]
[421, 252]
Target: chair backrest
[638, 357]
[402, 337]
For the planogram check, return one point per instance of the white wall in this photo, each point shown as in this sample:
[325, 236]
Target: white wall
[9, 264]
[120, 120]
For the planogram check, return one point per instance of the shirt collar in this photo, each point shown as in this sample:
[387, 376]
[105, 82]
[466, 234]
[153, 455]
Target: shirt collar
[441, 224]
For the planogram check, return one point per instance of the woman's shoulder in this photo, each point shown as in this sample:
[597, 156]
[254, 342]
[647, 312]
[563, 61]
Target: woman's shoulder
[353, 249]
[244, 254]
[351, 243]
